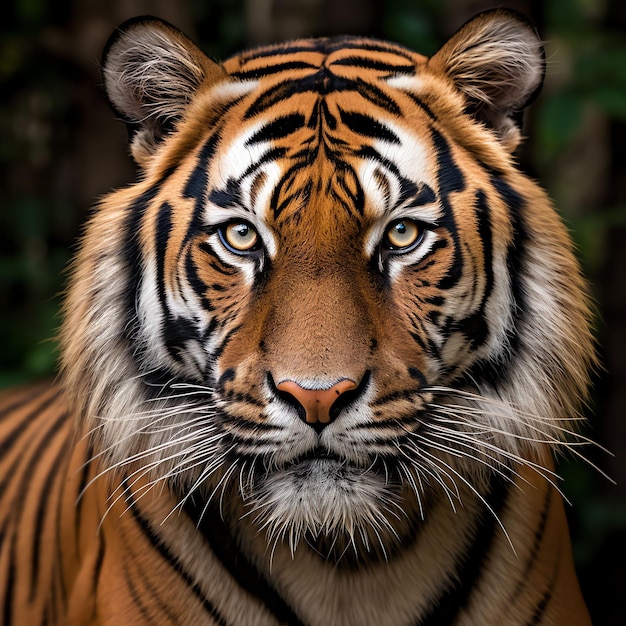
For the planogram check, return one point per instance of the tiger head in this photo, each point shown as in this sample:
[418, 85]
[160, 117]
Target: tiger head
[332, 295]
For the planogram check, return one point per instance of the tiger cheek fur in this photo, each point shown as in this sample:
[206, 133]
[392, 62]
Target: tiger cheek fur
[319, 356]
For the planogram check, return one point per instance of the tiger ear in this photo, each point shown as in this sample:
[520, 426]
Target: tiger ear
[151, 72]
[497, 61]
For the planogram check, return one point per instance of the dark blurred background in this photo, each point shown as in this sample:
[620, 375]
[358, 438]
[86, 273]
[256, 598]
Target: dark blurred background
[61, 148]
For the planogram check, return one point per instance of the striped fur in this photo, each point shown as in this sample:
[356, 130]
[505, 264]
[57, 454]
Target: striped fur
[310, 214]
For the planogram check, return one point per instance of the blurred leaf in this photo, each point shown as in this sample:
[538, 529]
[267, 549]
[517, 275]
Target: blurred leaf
[558, 119]
[41, 360]
[589, 232]
[412, 24]
[611, 100]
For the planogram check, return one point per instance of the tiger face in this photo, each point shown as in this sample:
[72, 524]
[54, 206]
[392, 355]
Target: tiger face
[332, 298]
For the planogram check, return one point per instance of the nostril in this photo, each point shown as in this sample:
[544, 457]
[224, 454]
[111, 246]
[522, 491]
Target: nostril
[318, 407]
[348, 397]
[343, 401]
[291, 400]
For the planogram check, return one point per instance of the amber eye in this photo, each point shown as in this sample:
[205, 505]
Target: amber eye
[239, 237]
[403, 235]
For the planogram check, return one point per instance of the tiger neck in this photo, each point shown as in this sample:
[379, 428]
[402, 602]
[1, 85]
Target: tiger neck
[471, 564]
[512, 539]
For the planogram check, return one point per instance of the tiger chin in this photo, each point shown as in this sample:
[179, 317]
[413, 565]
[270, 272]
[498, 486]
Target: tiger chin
[316, 361]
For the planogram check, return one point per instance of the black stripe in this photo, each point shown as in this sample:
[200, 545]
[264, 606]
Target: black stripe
[417, 374]
[404, 394]
[534, 552]
[160, 546]
[23, 399]
[367, 126]
[326, 46]
[9, 440]
[279, 50]
[162, 237]
[131, 252]
[495, 369]
[82, 485]
[193, 278]
[196, 187]
[29, 470]
[226, 549]
[229, 335]
[475, 327]
[449, 176]
[450, 180]
[373, 64]
[543, 603]
[287, 66]
[216, 264]
[244, 398]
[268, 156]
[137, 597]
[419, 340]
[96, 573]
[369, 152]
[197, 183]
[43, 508]
[516, 253]
[228, 196]
[285, 186]
[176, 331]
[356, 200]
[17, 510]
[278, 128]
[422, 196]
[7, 617]
[421, 104]
[376, 96]
[446, 607]
[321, 82]
[369, 45]
[60, 525]
[274, 94]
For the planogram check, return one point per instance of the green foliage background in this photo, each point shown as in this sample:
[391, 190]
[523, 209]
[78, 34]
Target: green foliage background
[576, 128]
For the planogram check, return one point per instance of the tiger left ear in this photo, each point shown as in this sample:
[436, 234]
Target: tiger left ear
[151, 73]
[497, 61]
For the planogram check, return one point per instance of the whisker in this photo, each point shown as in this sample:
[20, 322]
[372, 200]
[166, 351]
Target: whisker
[477, 494]
[462, 454]
[460, 413]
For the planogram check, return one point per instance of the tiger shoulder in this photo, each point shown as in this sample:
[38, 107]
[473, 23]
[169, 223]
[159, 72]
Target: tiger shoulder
[317, 360]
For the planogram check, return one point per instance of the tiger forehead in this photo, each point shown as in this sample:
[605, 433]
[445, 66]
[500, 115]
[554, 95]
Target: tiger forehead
[325, 158]
[304, 55]
[315, 134]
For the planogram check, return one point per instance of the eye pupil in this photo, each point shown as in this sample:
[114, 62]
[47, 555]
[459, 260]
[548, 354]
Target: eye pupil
[241, 230]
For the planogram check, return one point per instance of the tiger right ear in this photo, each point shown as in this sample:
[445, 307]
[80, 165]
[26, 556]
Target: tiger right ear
[497, 61]
[151, 72]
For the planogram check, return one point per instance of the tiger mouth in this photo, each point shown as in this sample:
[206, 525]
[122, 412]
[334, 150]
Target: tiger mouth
[342, 467]
[318, 454]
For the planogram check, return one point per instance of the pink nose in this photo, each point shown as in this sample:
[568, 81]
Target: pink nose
[316, 402]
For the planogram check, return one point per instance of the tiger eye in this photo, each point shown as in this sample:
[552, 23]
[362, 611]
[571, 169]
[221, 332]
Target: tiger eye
[240, 236]
[403, 234]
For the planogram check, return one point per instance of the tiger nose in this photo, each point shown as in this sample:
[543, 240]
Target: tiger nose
[317, 402]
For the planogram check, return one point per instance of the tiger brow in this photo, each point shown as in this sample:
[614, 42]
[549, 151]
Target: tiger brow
[423, 196]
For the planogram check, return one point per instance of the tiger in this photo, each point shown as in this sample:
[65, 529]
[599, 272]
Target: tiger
[317, 361]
